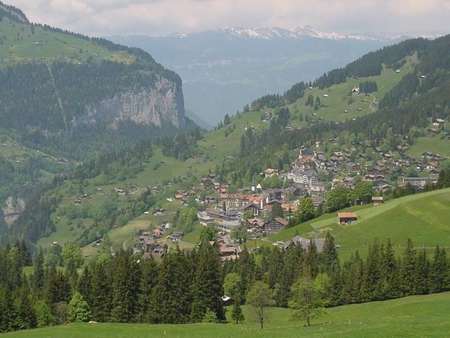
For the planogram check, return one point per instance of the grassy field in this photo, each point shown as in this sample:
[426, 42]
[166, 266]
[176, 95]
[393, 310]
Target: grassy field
[22, 45]
[434, 144]
[421, 217]
[418, 316]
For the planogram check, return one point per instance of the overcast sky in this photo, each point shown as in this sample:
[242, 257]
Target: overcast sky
[167, 17]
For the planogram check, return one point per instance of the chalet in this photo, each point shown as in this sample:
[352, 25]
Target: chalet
[438, 122]
[254, 208]
[377, 200]
[269, 172]
[175, 236]
[255, 223]
[432, 131]
[347, 217]
[276, 225]
[309, 177]
[228, 252]
[304, 152]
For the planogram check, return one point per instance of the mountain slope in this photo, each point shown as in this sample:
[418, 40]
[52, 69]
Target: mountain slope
[246, 64]
[66, 98]
[53, 83]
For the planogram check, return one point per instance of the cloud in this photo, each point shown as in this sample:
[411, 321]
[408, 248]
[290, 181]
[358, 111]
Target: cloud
[165, 17]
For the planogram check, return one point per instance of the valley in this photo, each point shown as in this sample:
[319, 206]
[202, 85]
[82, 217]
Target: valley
[117, 208]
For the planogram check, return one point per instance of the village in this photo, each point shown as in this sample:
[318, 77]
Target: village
[260, 212]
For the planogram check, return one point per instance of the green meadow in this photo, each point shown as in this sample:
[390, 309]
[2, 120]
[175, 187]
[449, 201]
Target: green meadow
[417, 316]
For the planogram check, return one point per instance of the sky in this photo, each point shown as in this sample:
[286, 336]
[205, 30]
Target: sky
[169, 17]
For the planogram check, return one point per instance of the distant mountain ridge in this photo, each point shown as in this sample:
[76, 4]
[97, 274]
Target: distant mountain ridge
[224, 69]
[303, 32]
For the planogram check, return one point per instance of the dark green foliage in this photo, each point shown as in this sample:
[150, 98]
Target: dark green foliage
[172, 296]
[368, 87]
[338, 198]
[439, 272]
[207, 289]
[101, 293]
[236, 312]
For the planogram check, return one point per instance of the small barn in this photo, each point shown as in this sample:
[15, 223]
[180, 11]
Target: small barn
[377, 200]
[347, 217]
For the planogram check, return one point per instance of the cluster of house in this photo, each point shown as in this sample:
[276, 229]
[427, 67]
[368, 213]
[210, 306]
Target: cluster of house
[148, 241]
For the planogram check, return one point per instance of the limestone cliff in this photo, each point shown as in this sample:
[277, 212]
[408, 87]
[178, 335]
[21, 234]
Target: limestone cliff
[161, 103]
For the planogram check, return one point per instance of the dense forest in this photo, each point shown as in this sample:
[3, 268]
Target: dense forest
[187, 287]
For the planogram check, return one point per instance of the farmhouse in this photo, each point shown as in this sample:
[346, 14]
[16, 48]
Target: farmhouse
[347, 217]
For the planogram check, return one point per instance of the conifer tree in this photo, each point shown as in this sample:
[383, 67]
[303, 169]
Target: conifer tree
[329, 253]
[370, 287]
[236, 313]
[408, 270]
[25, 310]
[101, 295]
[172, 295]
[38, 273]
[125, 290]
[311, 262]
[422, 273]
[439, 271]
[389, 287]
[207, 288]
[84, 285]
[149, 275]
[6, 309]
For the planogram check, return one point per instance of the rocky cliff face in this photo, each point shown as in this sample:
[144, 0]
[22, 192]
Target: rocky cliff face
[161, 103]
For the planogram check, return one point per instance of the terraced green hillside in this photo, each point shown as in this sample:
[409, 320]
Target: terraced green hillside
[418, 316]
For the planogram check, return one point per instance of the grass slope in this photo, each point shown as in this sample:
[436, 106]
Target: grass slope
[421, 217]
[22, 45]
[418, 316]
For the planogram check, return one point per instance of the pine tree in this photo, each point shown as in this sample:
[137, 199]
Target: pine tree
[101, 295]
[439, 270]
[38, 274]
[370, 288]
[408, 270]
[84, 285]
[6, 310]
[236, 313]
[207, 288]
[25, 310]
[172, 295]
[389, 287]
[125, 289]
[311, 262]
[149, 274]
[422, 273]
[329, 253]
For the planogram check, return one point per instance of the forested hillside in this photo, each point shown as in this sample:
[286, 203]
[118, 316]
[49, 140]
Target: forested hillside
[66, 98]
[399, 118]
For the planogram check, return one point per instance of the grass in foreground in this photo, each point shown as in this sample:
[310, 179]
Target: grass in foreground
[418, 316]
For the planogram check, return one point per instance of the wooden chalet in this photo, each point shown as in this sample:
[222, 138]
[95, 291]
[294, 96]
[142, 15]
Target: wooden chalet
[347, 217]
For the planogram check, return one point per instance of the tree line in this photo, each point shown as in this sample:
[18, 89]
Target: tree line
[187, 286]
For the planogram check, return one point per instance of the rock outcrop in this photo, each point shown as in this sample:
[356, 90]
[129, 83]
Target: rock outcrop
[161, 103]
